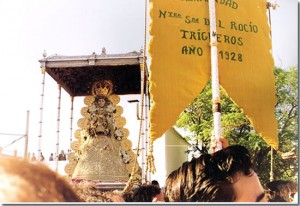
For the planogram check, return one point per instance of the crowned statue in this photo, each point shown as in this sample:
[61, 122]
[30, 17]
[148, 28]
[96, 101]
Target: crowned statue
[102, 151]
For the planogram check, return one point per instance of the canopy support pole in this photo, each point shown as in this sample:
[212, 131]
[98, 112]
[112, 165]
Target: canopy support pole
[71, 119]
[58, 126]
[141, 130]
[147, 140]
[129, 184]
[41, 114]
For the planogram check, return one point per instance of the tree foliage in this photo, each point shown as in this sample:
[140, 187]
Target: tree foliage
[198, 119]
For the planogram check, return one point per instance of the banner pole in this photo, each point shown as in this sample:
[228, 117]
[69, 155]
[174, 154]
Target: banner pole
[216, 107]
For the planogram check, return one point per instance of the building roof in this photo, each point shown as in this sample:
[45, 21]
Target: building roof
[77, 74]
[174, 137]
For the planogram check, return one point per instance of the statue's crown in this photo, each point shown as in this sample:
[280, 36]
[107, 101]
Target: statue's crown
[103, 87]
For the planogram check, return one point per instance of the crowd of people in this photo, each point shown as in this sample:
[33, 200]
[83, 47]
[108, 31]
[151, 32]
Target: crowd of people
[227, 175]
[61, 157]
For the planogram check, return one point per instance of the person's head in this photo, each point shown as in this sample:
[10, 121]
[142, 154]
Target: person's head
[145, 193]
[172, 187]
[159, 197]
[89, 193]
[127, 196]
[155, 182]
[24, 181]
[282, 190]
[115, 196]
[217, 177]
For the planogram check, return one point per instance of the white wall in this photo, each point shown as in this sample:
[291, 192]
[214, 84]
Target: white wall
[160, 161]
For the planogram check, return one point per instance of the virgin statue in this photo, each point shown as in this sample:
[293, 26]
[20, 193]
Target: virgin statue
[102, 152]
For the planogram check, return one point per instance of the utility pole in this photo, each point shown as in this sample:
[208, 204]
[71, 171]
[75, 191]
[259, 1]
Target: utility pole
[26, 136]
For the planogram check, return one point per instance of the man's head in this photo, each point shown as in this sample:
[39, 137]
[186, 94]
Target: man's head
[215, 178]
[23, 181]
[247, 188]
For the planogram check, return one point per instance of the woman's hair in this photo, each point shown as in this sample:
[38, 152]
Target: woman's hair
[24, 181]
[208, 178]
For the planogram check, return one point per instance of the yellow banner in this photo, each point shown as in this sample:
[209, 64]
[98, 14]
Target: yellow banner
[180, 60]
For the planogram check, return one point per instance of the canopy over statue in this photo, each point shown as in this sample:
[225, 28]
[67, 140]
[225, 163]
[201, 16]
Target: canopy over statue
[77, 74]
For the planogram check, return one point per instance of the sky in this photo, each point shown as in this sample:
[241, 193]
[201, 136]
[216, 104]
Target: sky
[81, 27]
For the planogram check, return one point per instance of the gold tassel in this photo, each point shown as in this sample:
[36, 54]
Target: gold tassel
[150, 160]
[129, 184]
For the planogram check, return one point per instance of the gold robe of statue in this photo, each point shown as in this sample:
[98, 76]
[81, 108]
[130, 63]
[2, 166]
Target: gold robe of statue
[103, 152]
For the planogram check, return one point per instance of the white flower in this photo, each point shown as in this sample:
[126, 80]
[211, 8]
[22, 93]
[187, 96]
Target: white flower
[110, 108]
[125, 157]
[118, 134]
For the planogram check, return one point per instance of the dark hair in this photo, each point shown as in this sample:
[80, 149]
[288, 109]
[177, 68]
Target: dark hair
[208, 178]
[127, 196]
[145, 193]
[155, 182]
[172, 187]
[281, 190]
